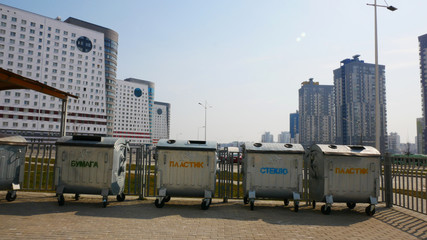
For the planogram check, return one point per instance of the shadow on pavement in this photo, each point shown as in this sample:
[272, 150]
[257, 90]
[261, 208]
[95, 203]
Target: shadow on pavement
[415, 226]
[187, 208]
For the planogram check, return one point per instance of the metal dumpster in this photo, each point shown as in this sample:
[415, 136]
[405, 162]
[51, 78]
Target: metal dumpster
[90, 165]
[272, 170]
[12, 163]
[186, 169]
[341, 173]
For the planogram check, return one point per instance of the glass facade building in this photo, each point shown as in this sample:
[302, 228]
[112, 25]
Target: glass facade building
[423, 75]
[355, 94]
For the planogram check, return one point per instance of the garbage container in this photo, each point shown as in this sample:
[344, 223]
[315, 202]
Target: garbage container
[272, 170]
[342, 173]
[186, 169]
[90, 165]
[12, 163]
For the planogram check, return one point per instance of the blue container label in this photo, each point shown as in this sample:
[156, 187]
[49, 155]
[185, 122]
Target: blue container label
[283, 171]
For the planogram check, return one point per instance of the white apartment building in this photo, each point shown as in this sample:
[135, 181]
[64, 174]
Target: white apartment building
[62, 55]
[134, 109]
[79, 58]
[161, 121]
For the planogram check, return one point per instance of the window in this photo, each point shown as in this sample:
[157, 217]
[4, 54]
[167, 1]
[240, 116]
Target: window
[23, 22]
[3, 16]
[14, 19]
[32, 24]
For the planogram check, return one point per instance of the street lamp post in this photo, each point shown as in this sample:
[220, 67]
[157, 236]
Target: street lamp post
[377, 83]
[205, 106]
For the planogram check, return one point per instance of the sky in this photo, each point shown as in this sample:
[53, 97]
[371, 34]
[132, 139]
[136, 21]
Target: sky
[248, 58]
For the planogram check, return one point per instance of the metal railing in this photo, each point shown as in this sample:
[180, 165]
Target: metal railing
[403, 178]
[405, 182]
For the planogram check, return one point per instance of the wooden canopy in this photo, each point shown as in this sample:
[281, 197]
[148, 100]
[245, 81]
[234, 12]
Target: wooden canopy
[10, 80]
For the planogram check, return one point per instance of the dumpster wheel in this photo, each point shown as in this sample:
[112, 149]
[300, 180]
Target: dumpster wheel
[61, 200]
[104, 202]
[325, 209]
[11, 196]
[351, 205]
[159, 205]
[252, 203]
[370, 210]
[206, 203]
[121, 197]
[296, 207]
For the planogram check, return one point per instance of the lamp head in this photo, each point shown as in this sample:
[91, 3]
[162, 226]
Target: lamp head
[391, 8]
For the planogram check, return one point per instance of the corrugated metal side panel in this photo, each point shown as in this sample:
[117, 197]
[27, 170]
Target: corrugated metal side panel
[186, 171]
[11, 157]
[352, 177]
[272, 172]
[86, 167]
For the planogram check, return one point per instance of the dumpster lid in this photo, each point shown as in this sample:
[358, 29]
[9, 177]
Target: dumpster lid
[274, 147]
[346, 150]
[12, 139]
[90, 141]
[187, 144]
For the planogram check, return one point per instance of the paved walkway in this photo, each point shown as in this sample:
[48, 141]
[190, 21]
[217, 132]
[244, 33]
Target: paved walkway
[38, 216]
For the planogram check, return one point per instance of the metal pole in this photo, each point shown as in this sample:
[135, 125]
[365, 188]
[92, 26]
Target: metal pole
[388, 181]
[64, 117]
[206, 111]
[377, 87]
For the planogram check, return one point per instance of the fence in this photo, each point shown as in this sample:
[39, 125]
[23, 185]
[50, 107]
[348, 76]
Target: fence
[403, 178]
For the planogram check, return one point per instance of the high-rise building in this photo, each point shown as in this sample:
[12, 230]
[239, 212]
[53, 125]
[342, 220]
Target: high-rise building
[423, 67]
[284, 137]
[294, 127]
[394, 143]
[161, 121]
[79, 58]
[316, 113]
[419, 138]
[134, 110]
[59, 54]
[267, 137]
[355, 94]
[111, 39]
